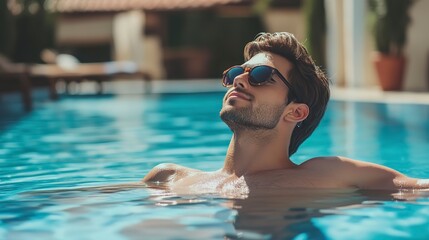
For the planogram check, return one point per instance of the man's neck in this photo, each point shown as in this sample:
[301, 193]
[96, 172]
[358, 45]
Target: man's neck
[253, 151]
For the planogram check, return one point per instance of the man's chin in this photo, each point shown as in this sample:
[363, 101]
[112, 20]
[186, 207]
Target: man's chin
[232, 109]
[232, 115]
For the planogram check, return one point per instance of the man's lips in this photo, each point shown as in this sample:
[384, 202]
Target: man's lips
[239, 95]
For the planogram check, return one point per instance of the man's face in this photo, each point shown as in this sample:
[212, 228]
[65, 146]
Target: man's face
[256, 107]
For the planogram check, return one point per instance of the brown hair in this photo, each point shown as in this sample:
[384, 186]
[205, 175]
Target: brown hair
[309, 82]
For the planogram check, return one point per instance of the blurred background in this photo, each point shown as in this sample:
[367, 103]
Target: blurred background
[57, 45]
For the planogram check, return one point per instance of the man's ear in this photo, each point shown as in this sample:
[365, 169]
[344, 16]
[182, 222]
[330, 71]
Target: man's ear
[296, 112]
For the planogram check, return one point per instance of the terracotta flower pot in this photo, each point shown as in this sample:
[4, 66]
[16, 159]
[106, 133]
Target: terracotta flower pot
[390, 71]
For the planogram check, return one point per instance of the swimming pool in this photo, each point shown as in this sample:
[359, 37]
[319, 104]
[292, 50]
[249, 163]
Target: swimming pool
[54, 160]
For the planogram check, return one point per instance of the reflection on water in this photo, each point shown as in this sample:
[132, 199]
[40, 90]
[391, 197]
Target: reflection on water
[288, 213]
[135, 210]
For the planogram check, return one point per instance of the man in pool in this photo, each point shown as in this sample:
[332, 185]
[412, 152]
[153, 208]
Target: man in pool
[275, 101]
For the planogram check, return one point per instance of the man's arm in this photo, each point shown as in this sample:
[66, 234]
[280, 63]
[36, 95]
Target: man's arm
[167, 173]
[366, 175]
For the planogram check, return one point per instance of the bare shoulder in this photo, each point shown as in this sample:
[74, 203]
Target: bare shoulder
[333, 168]
[168, 172]
[331, 163]
[343, 163]
[361, 174]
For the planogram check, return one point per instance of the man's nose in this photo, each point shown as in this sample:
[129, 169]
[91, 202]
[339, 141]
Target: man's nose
[241, 80]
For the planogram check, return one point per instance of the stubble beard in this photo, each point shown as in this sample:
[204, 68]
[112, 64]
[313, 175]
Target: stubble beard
[263, 117]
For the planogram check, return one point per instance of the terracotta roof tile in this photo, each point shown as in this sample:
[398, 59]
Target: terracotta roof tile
[121, 5]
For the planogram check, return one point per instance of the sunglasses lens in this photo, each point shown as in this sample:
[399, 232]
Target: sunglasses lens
[260, 74]
[229, 77]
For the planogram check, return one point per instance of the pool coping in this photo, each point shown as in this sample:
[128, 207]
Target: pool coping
[379, 96]
[337, 93]
[373, 94]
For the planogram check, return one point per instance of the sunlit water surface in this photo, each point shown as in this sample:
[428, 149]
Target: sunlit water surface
[60, 166]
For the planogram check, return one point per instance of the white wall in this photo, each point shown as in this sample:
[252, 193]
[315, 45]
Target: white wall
[124, 30]
[84, 30]
[417, 49]
[290, 20]
[334, 41]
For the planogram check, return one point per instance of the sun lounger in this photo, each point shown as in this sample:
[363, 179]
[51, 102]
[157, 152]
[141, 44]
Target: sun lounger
[82, 71]
[88, 71]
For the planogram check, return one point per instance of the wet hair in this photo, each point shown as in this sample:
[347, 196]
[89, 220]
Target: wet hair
[309, 82]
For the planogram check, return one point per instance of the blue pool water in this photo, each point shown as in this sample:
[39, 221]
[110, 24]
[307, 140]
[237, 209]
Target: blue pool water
[59, 166]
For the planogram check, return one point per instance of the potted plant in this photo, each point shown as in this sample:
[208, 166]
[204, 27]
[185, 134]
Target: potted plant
[391, 19]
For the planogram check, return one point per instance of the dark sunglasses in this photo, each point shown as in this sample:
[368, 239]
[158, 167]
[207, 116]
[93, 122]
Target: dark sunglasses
[258, 75]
